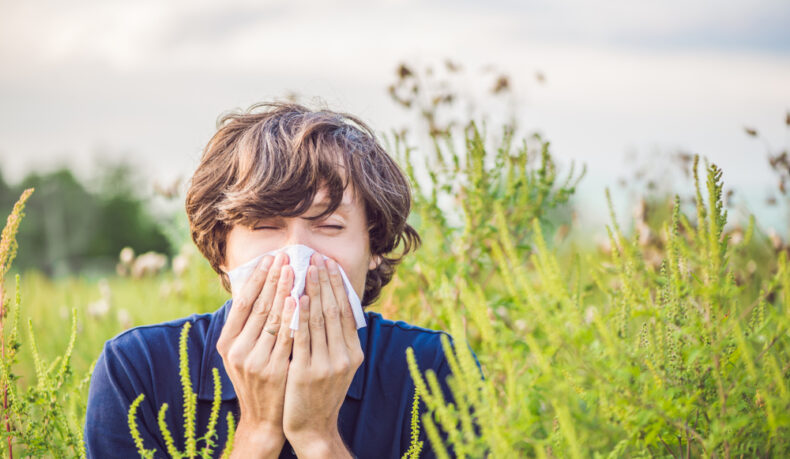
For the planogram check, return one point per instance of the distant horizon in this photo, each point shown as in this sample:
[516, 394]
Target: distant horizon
[149, 79]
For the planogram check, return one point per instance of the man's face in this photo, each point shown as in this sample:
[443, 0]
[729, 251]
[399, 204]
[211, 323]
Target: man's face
[342, 236]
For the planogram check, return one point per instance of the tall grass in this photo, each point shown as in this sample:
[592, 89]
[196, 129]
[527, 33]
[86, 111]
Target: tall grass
[38, 419]
[673, 345]
[597, 354]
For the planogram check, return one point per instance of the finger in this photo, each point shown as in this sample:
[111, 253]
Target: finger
[318, 347]
[241, 306]
[282, 348]
[301, 341]
[266, 339]
[334, 333]
[348, 324]
[262, 305]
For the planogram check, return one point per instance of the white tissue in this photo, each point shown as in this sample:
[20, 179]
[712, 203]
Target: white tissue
[299, 258]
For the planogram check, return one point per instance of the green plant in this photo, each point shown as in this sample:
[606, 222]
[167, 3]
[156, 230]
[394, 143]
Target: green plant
[190, 403]
[673, 345]
[415, 447]
[44, 418]
[617, 357]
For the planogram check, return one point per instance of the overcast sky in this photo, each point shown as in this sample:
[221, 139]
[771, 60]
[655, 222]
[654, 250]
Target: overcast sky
[149, 78]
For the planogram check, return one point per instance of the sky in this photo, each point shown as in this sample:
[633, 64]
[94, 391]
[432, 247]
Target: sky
[146, 80]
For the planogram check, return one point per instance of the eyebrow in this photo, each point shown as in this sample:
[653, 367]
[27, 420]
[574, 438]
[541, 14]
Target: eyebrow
[343, 208]
[325, 203]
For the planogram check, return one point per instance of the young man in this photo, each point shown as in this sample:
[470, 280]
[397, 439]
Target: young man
[277, 176]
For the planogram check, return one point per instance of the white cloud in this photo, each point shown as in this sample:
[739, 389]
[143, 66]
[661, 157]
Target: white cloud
[150, 76]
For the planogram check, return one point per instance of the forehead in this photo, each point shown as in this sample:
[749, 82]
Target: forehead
[349, 203]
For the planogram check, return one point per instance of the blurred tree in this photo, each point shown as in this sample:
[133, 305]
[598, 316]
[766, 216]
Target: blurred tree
[71, 228]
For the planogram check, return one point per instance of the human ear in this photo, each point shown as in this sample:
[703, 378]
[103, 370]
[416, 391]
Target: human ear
[375, 261]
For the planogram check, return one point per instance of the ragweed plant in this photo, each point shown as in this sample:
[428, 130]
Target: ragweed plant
[615, 357]
[46, 417]
[675, 345]
[190, 413]
[415, 447]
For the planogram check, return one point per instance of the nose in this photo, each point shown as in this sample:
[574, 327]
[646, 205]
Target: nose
[298, 232]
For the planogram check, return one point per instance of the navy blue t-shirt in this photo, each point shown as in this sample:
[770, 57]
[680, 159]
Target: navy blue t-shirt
[374, 420]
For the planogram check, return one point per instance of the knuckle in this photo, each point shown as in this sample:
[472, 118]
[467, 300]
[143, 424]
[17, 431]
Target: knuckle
[283, 288]
[321, 373]
[342, 365]
[332, 311]
[260, 275]
[222, 345]
[345, 311]
[236, 366]
[273, 276]
[357, 357]
[285, 336]
[235, 356]
[317, 320]
[274, 319]
[243, 304]
[268, 374]
[260, 306]
[250, 366]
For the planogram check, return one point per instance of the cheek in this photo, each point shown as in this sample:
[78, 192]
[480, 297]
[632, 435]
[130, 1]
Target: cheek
[355, 266]
[243, 245]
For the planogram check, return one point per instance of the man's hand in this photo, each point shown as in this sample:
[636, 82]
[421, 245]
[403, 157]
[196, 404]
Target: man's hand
[255, 344]
[326, 354]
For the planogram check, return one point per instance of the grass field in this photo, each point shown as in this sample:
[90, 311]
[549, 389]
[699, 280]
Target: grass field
[671, 340]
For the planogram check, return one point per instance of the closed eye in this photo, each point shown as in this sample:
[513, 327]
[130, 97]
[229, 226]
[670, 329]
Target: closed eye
[323, 226]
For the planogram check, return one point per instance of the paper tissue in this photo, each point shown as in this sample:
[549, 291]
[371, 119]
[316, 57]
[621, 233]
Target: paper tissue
[299, 258]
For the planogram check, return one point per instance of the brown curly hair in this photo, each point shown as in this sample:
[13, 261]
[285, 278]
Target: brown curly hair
[273, 158]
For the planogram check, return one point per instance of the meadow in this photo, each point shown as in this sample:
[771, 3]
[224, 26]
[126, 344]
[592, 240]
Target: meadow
[672, 339]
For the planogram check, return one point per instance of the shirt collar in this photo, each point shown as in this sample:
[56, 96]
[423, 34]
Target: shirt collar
[212, 359]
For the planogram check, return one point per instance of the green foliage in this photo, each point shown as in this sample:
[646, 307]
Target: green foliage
[45, 418]
[190, 413]
[415, 447]
[72, 226]
[128, 302]
[669, 340]
[132, 421]
[604, 353]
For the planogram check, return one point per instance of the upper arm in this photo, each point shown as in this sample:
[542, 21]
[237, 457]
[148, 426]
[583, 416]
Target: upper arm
[114, 385]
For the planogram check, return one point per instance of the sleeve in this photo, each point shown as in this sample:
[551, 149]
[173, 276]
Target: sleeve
[442, 370]
[114, 386]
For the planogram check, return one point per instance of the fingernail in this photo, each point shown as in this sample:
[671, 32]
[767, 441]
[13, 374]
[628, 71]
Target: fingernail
[332, 265]
[266, 263]
[313, 274]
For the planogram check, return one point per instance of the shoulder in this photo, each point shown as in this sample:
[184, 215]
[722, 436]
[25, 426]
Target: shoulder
[388, 341]
[160, 337]
[148, 354]
[391, 339]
